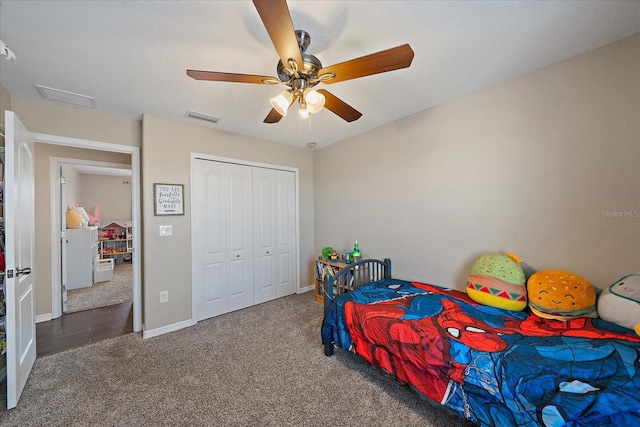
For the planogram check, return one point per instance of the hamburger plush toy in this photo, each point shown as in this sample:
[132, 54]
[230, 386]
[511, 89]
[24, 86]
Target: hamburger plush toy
[497, 280]
[561, 295]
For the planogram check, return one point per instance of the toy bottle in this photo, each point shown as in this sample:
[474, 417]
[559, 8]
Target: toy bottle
[356, 252]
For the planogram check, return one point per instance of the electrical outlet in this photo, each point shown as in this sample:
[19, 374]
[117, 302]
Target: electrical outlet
[164, 296]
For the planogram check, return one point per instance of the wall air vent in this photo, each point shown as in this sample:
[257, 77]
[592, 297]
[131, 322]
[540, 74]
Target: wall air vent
[66, 97]
[200, 116]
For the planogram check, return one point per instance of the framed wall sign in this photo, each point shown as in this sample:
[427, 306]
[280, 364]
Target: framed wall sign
[169, 199]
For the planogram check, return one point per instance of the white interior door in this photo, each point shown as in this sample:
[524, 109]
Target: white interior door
[239, 237]
[209, 219]
[264, 235]
[223, 255]
[19, 225]
[285, 203]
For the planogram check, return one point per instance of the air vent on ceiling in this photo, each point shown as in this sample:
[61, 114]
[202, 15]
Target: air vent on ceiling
[200, 116]
[66, 97]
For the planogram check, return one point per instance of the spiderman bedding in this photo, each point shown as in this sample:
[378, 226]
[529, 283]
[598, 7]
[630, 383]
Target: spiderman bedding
[491, 366]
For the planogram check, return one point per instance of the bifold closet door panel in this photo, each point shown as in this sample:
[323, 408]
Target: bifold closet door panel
[285, 196]
[222, 273]
[239, 237]
[274, 233]
[264, 235]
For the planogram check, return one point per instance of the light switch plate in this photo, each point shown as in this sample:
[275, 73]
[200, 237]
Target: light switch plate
[166, 230]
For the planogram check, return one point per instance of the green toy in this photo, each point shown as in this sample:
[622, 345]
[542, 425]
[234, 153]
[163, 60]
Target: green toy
[326, 253]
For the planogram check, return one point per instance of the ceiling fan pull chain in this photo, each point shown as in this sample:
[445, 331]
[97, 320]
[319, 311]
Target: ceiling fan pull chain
[300, 130]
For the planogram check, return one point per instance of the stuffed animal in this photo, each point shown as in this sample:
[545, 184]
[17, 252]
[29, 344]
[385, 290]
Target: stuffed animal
[561, 295]
[497, 280]
[95, 217]
[83, 214]
[620, 302]
[73, 219]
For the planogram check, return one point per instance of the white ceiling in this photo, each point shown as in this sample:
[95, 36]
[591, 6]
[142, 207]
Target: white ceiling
[132, 56]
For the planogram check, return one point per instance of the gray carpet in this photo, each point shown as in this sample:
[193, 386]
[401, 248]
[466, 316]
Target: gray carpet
[117, 290]
[261, 366]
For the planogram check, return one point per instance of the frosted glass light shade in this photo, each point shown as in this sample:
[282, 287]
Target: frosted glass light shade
[281, 102]
[315, 101]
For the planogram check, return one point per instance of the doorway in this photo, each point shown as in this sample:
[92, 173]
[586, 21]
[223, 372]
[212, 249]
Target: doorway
[97, 261]
[96, 287]
[56, 273]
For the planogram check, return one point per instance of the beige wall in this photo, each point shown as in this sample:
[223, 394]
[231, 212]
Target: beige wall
[111, 193]
[166, 156]
[546, 165]
[54, 118]
[71, 186]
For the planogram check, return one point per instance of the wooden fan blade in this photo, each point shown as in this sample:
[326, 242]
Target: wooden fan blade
[277, 20]
[380, 62]
[231, 77]
[339, 107]
[274, 116]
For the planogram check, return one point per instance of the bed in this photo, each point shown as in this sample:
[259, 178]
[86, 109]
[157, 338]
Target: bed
[491, 366]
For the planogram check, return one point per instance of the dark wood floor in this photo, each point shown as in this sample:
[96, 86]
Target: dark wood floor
[83, 327]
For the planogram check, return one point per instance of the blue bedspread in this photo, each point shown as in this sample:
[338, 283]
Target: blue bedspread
[494, 367]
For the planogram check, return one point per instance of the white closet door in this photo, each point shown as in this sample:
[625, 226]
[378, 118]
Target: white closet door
[285, 198]
[223, 261]
[240, 237]
[264, 236]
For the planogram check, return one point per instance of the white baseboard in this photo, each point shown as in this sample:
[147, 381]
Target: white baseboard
[305, 289]
[43, 317]
[166, 329]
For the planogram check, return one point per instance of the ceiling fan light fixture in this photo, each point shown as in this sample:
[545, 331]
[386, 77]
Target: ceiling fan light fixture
[315, 100]
[281, 102]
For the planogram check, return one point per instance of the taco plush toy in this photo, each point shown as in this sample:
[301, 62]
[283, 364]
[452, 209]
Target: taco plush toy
[620, 302]
[561, 295]
[497, 280]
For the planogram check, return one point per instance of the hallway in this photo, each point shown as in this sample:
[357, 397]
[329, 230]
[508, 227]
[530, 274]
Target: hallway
[83, 327]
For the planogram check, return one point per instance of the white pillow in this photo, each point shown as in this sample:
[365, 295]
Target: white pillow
[619, 302]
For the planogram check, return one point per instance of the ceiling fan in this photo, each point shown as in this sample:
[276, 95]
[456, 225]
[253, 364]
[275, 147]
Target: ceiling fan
[302, 71]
